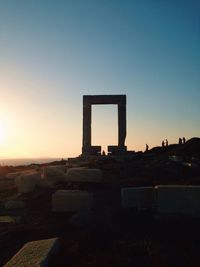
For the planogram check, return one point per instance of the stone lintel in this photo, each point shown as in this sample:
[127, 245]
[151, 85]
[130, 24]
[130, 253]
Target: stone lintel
[104, 99]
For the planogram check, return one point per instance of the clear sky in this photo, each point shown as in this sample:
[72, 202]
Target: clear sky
[54, 52]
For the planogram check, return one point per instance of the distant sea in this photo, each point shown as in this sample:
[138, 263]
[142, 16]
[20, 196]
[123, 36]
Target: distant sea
[25, 161]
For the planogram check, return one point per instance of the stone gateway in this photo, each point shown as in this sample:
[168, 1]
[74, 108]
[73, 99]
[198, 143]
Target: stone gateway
[88, 101]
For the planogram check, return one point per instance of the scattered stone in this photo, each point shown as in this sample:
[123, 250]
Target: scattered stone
[7, 184]
[140, 198]
[92, 218]
[14, 204]
[178, 199]
[45, 184]
[194, 190]
[176, 159]
[83, 174]
[10, 219]
[71, 200]
[35, 254]
[12, 175]
[27, 182]
[54, 174]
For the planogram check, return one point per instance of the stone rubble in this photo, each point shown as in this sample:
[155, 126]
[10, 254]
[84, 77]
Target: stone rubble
[71, 200]
[83, 174]
[35, 253]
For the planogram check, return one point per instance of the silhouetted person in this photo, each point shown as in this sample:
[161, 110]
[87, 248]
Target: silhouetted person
[184, 140]
[147, 148]
[163, 143]
[180, 141]
[103, 153]
[166, 142]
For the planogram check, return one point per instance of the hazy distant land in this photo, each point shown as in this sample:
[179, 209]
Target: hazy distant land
[25, 161]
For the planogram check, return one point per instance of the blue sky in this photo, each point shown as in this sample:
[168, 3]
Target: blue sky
[53, 52]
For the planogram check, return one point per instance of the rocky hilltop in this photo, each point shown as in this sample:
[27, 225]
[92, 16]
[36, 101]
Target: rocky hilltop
[107, 235]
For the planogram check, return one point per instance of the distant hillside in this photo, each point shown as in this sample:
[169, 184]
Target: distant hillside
[190, 149]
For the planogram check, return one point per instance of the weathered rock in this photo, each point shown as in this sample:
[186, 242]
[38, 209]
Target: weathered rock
[35, 254]
[54, 174]
[140, 198]
[195, 191]
[45, 184]
[83, 174]
[27, 182]
[14, 204]
[10, 219]
[71, 200]
[13, 175]
[92, 218]
[178, 199]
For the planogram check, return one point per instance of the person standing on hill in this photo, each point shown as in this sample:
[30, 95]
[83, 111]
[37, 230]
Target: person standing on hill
[147, 148]
[184, 140]
[163, 143]
[166, 142]
[180, 141]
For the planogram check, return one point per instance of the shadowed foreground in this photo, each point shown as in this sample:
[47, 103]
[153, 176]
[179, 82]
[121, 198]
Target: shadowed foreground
[110, 236]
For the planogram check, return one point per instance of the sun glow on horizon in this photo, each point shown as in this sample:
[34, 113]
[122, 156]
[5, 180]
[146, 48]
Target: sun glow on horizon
[2, 132]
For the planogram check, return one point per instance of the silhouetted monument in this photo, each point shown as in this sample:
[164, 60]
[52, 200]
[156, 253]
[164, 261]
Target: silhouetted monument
[184, 140]
[88, 101]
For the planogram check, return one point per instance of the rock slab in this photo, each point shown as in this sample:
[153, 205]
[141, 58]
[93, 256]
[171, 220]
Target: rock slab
[71, 200]
[84, 175]
[54, 174]
[14, 204]
[178, 199]
[34, 254]
[139, 198]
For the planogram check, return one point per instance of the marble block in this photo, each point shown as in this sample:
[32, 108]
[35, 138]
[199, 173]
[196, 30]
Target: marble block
[140, 198]
[71, 200]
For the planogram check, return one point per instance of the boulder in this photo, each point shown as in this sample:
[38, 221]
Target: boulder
[195, 192]
[93, 219]
[27, 182]
[71, 200]
[178, 199]
[54, 174]
[83, 174]
[9, 219]
[14, 204]
[139, 198]
[36, 253]
[13, 175]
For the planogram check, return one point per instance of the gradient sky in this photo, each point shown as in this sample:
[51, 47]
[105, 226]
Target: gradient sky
[54, 52]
